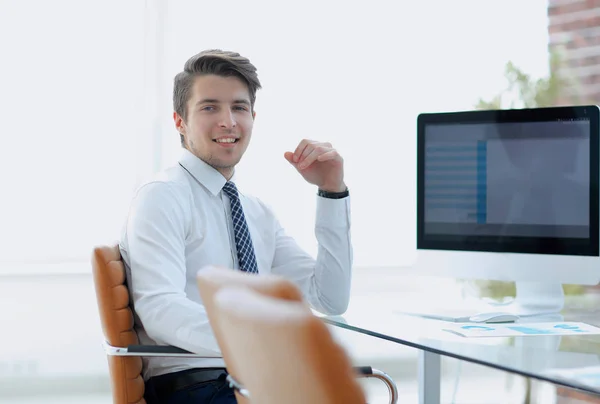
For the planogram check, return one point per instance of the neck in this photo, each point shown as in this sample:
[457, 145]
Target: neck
[225, 172]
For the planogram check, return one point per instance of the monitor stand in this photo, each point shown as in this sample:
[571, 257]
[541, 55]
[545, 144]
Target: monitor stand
[536, 298]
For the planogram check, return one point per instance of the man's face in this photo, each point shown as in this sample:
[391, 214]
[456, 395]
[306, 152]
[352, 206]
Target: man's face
[219, 122]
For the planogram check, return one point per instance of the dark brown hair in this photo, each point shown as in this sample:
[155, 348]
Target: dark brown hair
[217, 62]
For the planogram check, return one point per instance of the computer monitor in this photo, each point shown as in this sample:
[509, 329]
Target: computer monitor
[511, 195]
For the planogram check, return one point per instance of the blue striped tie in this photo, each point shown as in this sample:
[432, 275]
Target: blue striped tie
[243, 241]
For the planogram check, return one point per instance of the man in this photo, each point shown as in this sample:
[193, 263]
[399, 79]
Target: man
[192, 215]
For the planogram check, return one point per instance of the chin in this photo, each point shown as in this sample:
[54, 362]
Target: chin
[224, 163]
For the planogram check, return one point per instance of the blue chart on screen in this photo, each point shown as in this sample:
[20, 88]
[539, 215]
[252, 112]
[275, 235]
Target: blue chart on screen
[456, 178]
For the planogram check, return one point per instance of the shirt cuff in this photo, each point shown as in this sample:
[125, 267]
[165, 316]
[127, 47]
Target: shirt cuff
[333, 212]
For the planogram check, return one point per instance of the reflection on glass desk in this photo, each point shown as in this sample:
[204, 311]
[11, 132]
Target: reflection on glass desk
[550, 358]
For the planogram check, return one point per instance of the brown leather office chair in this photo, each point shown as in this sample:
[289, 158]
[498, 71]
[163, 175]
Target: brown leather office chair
[283, 353]
[121, 342]
[211, 280]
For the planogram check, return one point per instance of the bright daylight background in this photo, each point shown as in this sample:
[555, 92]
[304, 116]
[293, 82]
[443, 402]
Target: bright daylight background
[85, 95]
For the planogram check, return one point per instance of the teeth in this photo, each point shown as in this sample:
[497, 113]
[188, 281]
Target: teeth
[226, 140]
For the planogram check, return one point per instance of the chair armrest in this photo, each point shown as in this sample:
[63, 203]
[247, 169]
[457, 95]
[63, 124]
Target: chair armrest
[363, 370]
[150, 350]
[368, 372]
[234, 384]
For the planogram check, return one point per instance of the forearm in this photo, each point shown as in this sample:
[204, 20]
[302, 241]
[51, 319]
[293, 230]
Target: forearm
[333, 267]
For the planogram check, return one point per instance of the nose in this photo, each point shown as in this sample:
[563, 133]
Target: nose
[227, 120]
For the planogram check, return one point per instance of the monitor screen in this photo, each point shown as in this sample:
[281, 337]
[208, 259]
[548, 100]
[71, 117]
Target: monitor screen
[509, 181]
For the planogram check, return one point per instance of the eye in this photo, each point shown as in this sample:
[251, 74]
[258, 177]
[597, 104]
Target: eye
[240, 108]
[208, 108]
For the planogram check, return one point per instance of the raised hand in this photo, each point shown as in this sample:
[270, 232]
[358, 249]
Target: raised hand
[320, 164]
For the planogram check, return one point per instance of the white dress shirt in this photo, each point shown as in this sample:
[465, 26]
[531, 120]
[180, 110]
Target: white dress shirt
[181, 221]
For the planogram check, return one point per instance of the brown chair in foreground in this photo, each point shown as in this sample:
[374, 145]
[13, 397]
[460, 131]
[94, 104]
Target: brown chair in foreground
[121, 342]
[211, 279]
[283, 353]
[306, 347]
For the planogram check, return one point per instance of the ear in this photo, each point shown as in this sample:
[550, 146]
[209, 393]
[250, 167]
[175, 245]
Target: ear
[179, 123]
[253, 115]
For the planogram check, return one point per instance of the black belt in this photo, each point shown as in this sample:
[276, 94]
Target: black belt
[165, 385]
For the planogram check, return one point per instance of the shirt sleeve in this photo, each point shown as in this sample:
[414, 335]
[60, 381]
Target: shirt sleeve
[156, 233]
[326, 281]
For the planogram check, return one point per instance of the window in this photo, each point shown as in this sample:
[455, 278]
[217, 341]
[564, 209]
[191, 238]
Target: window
[72, 114]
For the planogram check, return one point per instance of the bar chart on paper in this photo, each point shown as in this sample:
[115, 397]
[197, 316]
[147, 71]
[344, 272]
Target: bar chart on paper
[456, 182]
[521, 330]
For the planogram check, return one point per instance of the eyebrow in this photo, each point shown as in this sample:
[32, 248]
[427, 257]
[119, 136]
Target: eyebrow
[215, 101]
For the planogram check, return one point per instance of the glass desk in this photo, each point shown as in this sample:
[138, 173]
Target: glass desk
[530, 356]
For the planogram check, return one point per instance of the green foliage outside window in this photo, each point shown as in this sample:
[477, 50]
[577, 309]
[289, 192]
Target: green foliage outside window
[524, 91]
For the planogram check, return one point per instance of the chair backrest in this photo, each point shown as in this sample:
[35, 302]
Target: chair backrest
[282, 352]
[116, 318]
[212, 279]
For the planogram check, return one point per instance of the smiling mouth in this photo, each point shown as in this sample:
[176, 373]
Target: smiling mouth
[226, 141]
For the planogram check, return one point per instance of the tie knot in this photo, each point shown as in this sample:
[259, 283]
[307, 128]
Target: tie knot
[230, 189]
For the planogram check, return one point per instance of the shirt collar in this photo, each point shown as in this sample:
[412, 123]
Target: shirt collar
[206, 175]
